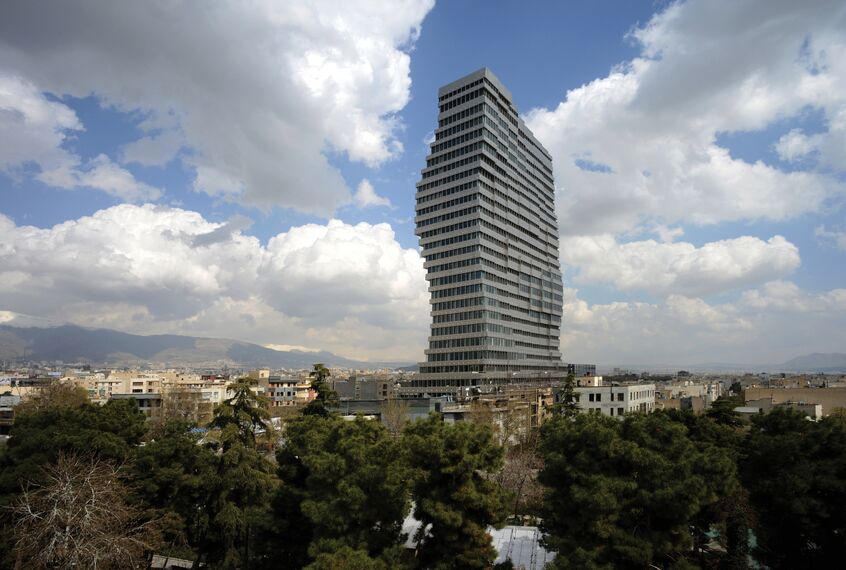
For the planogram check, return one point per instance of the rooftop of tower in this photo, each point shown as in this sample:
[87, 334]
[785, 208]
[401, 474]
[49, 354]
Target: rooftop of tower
[505, 95]
[471, 77]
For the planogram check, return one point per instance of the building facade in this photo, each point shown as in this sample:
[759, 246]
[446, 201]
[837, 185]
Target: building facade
[614, 401]
[486, 222]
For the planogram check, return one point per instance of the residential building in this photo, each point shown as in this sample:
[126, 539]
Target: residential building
[366, 387]
[486, 222]
[766, 405]
[282, 390]
[7, 412]
[829, 398]
[150, 404]
[613, 400]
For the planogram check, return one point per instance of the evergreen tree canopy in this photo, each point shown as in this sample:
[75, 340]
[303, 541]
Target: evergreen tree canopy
[324, 397]
[240, 492]
[245, 411]
[343, 484]
[347, 558]
[109, 431]
[569, 399]
[173, 475]
[454, 495]
[722, 410]
[624, 494]
[795, 471]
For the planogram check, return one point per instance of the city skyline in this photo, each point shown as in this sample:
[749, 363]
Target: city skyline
[251, 174]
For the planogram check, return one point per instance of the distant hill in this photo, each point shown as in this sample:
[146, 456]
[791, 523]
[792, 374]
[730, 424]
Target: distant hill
[71, 343]
[817, 362]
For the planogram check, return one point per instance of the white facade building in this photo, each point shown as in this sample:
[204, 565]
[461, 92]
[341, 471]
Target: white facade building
[615, 401]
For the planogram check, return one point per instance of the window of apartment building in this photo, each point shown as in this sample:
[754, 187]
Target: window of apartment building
[620, 397]
[620, 411]
[612, 411]
[590, 397]
[599, 397]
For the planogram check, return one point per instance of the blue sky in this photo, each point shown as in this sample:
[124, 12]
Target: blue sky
[174, 167]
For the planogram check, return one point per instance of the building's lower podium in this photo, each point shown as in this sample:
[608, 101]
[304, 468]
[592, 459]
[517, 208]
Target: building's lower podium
[462, 387]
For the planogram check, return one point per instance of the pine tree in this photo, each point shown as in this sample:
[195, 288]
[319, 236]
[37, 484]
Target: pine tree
[568, 405]
[454, 494]
[626, 493]
[325, 397]
[344, 485]
[245, 411]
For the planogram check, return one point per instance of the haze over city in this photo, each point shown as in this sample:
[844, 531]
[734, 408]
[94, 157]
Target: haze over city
[248, 171]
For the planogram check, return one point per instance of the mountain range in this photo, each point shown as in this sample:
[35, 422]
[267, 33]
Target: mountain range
[73, 344]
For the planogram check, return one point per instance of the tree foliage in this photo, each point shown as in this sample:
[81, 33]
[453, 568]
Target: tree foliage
[454, 494]
[173, 476]
[568, 404]
[346, 558]
[217, 494]
[795, 471]
[109, 431]
[722, 411]
[343, 485]
[245, 411]
[324, 396]
[240, 491]
[625, 494]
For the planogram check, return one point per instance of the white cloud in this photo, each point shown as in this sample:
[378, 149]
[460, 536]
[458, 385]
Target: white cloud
[707, 67]
[793, 146]
[679, 268]
[101, 173]
[153, 150]
[32, 128]
[768, 325]
[788, 297]
[833, 237]
[271, 86]
[350, 289]
[365, 196]
[338, 270]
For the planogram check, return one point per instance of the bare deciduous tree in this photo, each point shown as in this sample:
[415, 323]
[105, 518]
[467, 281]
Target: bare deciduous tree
[519, 476]
[395, 415]
[77, 518]
[55, 394]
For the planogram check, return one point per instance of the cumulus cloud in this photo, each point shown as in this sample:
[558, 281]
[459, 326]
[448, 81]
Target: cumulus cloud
[785, 296]
[272, 86]
[706, 68]
[793, 146]
[770, 324]
[831, 237]
[365, 196]
[101, 173]
[33, 130]
[679, 268]
[348, 288]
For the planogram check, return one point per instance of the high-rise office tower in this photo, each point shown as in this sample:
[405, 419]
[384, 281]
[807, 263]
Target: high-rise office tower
[486, 222]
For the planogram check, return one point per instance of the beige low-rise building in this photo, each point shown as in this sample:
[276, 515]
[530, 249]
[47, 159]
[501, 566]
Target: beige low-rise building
[829, 398]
